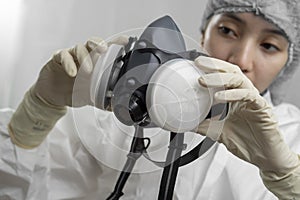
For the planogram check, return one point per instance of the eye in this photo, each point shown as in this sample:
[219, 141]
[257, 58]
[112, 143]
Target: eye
[226, 31]
[270, 47]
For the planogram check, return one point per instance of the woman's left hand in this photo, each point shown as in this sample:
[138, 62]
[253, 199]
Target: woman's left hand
[250, 130]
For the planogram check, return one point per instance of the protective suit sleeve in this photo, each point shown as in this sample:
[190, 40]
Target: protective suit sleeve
[250, 131]
[33, 120]
[284, 186]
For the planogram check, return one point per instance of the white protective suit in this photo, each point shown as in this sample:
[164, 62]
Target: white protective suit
[69, 164]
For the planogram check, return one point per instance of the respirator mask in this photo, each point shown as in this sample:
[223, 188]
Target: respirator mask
[152, 82]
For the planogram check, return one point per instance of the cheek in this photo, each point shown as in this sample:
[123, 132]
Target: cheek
[215, 46]
[262, 77]
[266, 71]
[209, 43]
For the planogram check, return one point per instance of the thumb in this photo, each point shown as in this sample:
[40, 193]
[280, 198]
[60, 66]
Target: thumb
[211, 128]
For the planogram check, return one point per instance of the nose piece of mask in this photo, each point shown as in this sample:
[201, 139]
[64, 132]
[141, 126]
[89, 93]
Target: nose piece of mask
[152, 81]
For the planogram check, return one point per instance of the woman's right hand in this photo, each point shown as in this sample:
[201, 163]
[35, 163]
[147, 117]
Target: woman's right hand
[45, 103]
[57, 77]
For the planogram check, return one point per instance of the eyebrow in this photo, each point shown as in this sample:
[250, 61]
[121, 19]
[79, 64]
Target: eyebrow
[277, 32]
[238, 19]
[234, 17]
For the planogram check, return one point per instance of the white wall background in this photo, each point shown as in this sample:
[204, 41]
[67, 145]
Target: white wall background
[32, 30]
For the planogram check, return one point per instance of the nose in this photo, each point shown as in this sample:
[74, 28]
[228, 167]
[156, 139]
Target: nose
[243, 55]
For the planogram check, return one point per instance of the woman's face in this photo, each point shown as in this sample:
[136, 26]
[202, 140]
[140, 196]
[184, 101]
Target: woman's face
[258, 47]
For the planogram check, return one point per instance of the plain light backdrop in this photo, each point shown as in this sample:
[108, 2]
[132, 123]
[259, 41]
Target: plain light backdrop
[32, 30]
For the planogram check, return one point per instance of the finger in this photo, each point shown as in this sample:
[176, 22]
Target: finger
[211, 128]
[96, 44]
[82, 58]
[225, 80]
[209, 65]
[203, 127]
[234, 95]
[120, 40]
[250, 96]
[65, 59]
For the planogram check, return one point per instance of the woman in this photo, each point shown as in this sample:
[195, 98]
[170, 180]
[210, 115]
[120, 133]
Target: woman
[260, 42]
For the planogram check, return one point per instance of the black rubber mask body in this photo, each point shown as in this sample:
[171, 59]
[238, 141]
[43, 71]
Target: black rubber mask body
[160, 42]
